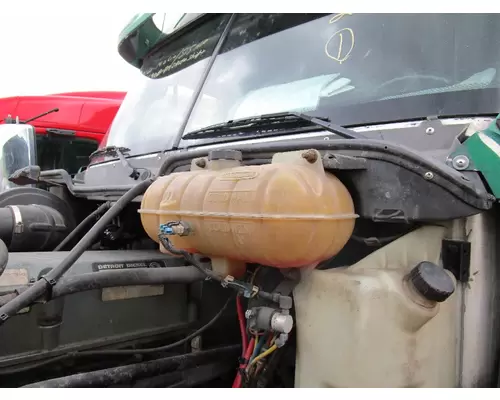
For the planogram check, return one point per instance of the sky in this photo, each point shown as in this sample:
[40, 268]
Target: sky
[61, 53]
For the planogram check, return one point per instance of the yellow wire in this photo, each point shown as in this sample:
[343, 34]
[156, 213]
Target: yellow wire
[264, 354]
[255, 274]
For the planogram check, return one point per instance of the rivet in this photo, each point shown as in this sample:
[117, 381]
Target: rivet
[428, 175]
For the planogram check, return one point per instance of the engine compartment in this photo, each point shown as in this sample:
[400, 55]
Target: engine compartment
[269, 249]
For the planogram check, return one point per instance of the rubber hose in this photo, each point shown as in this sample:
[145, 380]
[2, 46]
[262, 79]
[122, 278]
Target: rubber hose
[203, 374]
[43, 285]
[137, 276]
[186, 378]
[4, 256]
[118, 375]
[100, 210]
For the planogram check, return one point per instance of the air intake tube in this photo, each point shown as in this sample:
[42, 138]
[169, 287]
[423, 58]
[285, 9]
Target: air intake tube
[33, 220]
[4, 256]
[31, 228]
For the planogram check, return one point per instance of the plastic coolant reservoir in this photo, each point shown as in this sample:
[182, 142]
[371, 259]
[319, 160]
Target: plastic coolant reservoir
[363, 326]
[289, 213]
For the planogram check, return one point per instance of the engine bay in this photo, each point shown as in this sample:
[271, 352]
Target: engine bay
[283, 264]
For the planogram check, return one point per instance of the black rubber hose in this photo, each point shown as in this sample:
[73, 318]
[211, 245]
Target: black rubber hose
[123, 374]
[4, 256]
[100, 210]
[189, 377]
[137, 276]
[189, 258]
[43, 285]
[203, 374]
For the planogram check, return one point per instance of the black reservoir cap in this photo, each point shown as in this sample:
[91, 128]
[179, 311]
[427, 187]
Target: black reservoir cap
[431, 281]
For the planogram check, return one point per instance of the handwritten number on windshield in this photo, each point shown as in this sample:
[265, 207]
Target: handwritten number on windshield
[340, 45]
[338, 17]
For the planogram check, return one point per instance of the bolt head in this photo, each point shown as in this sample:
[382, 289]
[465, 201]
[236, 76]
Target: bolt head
[249, 314]
[428, 175]
[430, 130]
[201, 163]
[310, 156]
[460, 162]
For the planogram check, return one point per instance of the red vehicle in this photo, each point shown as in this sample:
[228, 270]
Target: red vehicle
[68, 126]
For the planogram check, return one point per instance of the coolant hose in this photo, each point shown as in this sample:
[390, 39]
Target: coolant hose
[100, 210]
[4, 256]
[127, 373]
[137, 276]
[44, 284]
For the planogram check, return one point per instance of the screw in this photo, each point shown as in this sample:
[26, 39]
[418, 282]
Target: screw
[249, 314]
[310, 156]
[460, 162]
[201, 163]
[428, 175]
[429, 130]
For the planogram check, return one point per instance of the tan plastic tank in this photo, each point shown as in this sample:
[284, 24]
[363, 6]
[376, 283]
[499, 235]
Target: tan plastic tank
[367, 326]
[289, 213]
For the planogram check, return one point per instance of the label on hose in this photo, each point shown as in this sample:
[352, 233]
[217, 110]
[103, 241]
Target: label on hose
[130, 292]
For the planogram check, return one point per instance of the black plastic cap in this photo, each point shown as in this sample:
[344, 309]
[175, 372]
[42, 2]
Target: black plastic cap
[225, 155]
[431, 281]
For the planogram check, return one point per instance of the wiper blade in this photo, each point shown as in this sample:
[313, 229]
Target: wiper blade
[270, 123]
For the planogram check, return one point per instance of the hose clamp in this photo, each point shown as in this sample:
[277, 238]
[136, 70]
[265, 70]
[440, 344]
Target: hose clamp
[18, 220]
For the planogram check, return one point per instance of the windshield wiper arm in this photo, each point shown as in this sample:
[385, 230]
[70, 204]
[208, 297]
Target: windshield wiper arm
[271, 122]
[119, 152]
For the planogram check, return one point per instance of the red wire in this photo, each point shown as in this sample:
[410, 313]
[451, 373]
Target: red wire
[246, 357]
[243, 327]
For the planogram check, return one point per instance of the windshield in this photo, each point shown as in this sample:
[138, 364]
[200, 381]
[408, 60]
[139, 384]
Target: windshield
[151, 114]
[355, 69]
[332, 65]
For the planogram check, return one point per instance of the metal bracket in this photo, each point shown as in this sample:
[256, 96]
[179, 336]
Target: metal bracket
[343, 162]
[455, 255]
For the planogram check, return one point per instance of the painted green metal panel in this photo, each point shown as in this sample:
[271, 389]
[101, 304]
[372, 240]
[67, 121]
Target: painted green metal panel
[483, 149]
